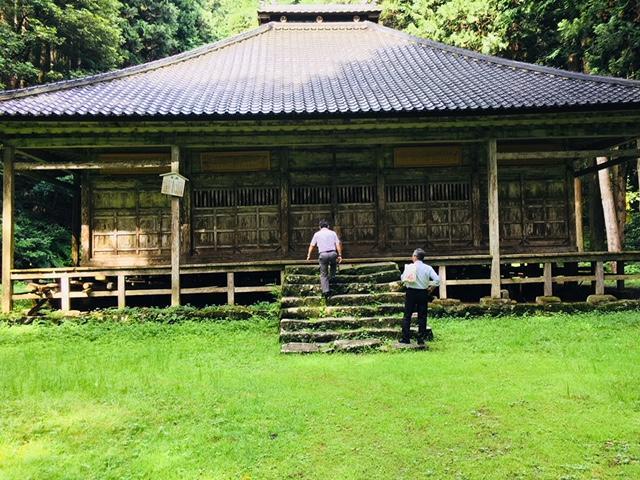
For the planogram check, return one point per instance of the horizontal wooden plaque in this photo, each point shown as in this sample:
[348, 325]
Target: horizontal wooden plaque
[228, 162]
[427, 156]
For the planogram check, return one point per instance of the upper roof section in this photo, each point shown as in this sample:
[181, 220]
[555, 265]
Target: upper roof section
[319, 13]
[328, 68]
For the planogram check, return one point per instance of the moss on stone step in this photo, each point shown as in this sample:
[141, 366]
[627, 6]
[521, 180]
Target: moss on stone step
[341, 311]
[314, 336]
[348, 288]
[340, 323]
[344, 269]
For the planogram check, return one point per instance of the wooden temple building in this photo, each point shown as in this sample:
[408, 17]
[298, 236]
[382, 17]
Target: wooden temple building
[320, 112]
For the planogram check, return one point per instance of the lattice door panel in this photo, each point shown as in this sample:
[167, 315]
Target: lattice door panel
[236, 219]
[437, 213]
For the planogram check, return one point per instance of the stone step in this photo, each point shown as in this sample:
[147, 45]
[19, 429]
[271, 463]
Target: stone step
[350, 346]
[339, 323]
[341, 310]
[347, 299]
[377, 277]
[342, 289]
[323, 336]
[345, 269]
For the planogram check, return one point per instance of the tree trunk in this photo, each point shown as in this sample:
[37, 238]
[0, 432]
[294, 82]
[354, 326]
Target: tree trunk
[619, 174]
[609, 208]
[596, 218]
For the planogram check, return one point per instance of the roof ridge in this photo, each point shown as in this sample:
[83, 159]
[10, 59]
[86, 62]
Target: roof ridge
[503, 61]
[135, 69]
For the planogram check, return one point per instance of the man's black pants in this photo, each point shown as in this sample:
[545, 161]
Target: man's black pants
[415, 300]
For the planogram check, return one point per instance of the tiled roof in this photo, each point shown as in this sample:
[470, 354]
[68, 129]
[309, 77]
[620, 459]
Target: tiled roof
[341, 69]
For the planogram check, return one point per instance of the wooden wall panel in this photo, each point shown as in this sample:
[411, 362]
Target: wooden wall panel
[129, 217]
[534, 208]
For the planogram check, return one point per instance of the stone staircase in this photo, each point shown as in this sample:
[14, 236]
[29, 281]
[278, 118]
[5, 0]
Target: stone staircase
[365, 311]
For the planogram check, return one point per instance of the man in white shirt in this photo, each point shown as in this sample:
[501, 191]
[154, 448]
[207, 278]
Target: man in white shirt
[329, 252]
[417, 297]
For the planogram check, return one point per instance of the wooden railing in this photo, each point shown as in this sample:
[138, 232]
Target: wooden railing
[63, 278]
[547, 261]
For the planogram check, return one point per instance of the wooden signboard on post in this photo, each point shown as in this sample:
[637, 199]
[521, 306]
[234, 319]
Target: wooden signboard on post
[173, 184]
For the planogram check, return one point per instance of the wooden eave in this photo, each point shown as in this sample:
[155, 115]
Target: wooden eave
[16, 126]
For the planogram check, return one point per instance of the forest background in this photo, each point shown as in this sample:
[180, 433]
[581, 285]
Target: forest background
[49, 40]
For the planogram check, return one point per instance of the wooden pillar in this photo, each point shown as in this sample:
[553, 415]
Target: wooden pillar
[494, 218]
[548, 279]
[577, 193]
[75, 221]
[175, 232]
[8, 188]
[442, 273]
[476, 206]
[285, 210]
[185, 211]
[381, 203]
[231, 288]
[85, 218]
[609, 208]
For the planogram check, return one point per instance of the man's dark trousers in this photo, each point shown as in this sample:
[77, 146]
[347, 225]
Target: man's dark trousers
[327, 261]
[415, 300]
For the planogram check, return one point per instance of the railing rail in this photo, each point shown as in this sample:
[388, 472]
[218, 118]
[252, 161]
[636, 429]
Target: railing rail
[64, 277]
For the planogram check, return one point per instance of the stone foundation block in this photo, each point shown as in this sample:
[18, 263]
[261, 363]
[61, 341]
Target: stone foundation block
[600, 299]
[546, 300]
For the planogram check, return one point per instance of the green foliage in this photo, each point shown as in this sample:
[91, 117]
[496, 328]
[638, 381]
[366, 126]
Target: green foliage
[156, 29]
[42, 225]
[474, 24]
[266, 311]
[40, 243]
[632, 231]
[601, 36]
[45, 40]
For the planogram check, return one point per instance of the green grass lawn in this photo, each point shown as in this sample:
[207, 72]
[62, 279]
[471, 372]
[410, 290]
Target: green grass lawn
[533, 397]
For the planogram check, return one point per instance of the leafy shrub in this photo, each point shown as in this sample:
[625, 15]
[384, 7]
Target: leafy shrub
[260, 311]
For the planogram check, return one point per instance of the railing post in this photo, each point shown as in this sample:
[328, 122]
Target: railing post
[599, 278]
[577, 191]
[442, 273]
[548, 279]
[122, 294]
[231, 289]
[65, 290]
